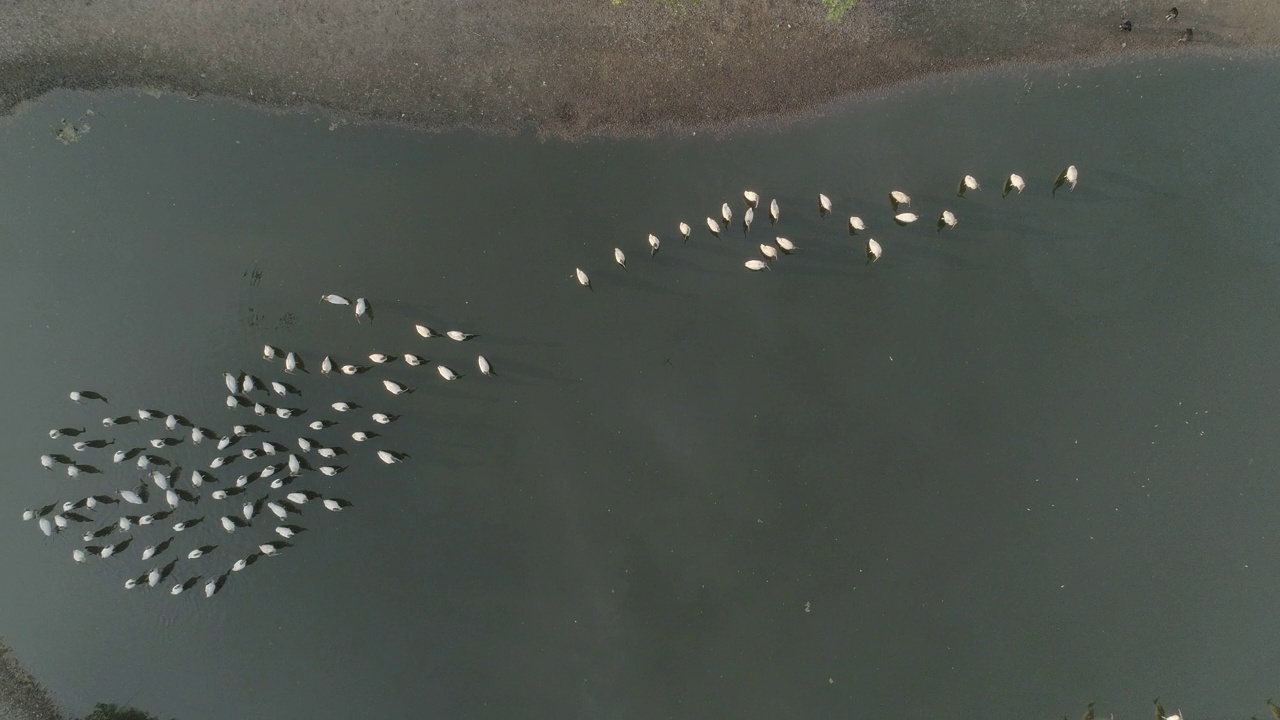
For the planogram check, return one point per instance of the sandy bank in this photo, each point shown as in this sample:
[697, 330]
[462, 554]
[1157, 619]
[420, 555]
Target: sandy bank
[569, 67]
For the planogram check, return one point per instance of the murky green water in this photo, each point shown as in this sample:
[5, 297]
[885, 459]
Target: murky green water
[1003, 472]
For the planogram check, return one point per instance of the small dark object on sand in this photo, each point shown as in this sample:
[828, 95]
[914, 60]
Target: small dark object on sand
[1171, 15]
[1186, 35]
[1126, 25]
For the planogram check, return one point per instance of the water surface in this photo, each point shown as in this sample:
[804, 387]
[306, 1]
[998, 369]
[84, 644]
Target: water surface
[1005, 471]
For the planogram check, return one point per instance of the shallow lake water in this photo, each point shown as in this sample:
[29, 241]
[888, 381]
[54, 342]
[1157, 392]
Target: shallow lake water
[1009, 469]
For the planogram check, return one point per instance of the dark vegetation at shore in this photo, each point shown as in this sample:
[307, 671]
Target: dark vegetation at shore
[573, 67]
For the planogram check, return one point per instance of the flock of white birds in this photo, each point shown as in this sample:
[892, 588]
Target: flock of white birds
[783, 246]
[238, 502]
[255, 509]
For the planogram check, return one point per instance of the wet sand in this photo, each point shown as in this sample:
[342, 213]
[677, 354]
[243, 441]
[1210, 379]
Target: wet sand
[572, 67]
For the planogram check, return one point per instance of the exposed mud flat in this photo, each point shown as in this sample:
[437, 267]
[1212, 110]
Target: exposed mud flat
[571, 67]
[22, 697]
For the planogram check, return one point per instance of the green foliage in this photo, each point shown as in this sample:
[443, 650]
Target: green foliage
[108, 711]
[837, 8]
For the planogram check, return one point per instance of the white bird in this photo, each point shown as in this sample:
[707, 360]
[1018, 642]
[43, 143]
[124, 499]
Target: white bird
[751, 197]
[773, 211]
[213, 586]
[335, 300]
[249, 453]
[653, 245]
[411, 359]
[824, 204]
[362, 308]
[1015, 182]
[326, 365]
[131, 497]
[873, 250]
[856, 225]
[230, 380]
[291, 362]
[301, 498]
[747, 217]
[248, 383]
[769, 251]
[713, 226]
[343, 407]
[288, 531]
[485, 367]
[726, 214]
[239, 565]
[160, 480]
[361, 436]
[272, 548]
[583, 280]
[897, 197]
[786, 246]
[395, 388]
[387, 457]
[79, 555]
[446, 373]
[459, 336]
[171, 498]
[329, 470]
[685, 230]
[426, 332]
[199, 434]
[383, 418]
[248, 509]
[322, 424]
[278, 510]
[336, 504]
[756, 265]
[46, 527]
[380, 358]
[352, 369]
[184, 586]
[947, 219]
[269, 353]
[153, 577]
[968, 182]
[905, 218]
[1070, 175]
[200, 552]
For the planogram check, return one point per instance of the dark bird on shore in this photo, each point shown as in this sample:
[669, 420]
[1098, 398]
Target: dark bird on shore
[1186, 35]
[82, 395]
[1068, 176]
[67, 431]
[1126, 25]
[1171, 15]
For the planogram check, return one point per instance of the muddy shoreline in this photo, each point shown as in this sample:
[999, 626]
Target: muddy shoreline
[569, 68]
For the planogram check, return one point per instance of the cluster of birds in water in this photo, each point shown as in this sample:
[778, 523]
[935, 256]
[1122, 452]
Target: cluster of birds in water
[267, 491]
[770, 253]
[1089, 713]
[1126, 25]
